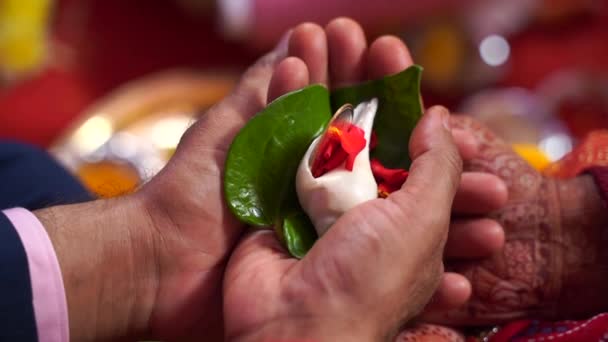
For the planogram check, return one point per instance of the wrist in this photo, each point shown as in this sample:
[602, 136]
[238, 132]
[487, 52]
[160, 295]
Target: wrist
[308, 331]
[106, 255]
[584, 221]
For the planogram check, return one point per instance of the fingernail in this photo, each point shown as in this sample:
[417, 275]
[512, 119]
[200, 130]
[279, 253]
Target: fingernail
[443, 115]
[283, 44]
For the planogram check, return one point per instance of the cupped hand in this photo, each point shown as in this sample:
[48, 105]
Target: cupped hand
[193, 230]
[339, 56]
[349, 285]
[553, 263]
[379, 264]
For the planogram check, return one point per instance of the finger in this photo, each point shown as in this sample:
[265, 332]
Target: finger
[258, 243]
[454, 290]
[251, 92]
[309, 43]
[410, 225]
[474, 238]
[291, 74]
[387, 55]
[347, 47]
[258, 247]
[479, 193]
[220, 123]
[258, 253]
[481, 133]
[466, 142]
[436, 167]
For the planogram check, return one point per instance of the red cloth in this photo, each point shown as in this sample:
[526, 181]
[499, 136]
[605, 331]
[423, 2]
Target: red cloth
[590, 330]
[591, 153]
[600, 173]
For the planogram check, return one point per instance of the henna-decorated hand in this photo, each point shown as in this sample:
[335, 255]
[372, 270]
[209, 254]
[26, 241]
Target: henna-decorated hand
[554, 262]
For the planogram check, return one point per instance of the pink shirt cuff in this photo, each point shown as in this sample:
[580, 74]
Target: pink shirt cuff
[50, 304]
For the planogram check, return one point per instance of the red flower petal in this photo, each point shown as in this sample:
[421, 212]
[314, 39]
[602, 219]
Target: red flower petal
[373, 141]
[350, 162]
[334, 161]
[329, 148]
[389, 180]
[391, 176]
[341, 143]
[353, 140]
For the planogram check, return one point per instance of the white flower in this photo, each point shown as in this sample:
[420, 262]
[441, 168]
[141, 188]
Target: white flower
[327, 197]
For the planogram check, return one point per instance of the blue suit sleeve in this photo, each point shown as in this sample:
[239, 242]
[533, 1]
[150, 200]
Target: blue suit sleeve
[32, 179]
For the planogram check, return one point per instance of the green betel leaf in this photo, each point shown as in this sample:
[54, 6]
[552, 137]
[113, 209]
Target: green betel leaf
[297, 233]
[261, 166]
[399, 109]
[263, 158]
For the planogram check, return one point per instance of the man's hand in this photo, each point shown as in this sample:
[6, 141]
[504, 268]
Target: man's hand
[375, 268]
[150, 265]
[381, 262]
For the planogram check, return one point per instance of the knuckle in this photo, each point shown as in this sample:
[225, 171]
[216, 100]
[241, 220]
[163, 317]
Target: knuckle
[453, 163]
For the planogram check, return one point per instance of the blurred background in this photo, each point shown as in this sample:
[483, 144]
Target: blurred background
[109, 86]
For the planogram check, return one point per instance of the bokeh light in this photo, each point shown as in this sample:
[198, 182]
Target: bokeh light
[494, 50]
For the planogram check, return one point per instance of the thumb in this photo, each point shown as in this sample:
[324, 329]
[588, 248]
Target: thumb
[358, 253]
[429, 191]
[437, 166]
[425, 198]
[259, 247]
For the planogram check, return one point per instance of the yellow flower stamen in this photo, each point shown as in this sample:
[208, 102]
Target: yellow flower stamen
[334, 130]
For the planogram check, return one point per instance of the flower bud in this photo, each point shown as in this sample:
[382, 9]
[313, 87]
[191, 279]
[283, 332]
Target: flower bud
[327, 197]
